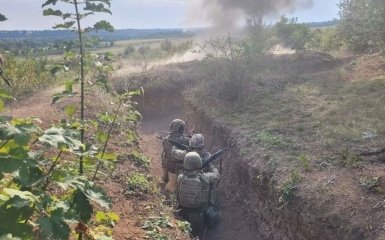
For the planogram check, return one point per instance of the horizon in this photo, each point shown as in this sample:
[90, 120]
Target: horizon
[149, 14]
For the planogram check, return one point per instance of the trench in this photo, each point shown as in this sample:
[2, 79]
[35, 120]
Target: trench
[235, 222]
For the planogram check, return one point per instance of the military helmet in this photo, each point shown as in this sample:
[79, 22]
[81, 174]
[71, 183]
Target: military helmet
[192, 161]
[197, 141]
[177, 126]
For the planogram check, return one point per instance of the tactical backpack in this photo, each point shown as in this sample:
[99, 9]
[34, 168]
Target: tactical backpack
[190, 192]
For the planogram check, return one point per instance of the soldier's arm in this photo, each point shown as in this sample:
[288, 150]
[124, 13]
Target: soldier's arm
[212, 176]
[178, 154]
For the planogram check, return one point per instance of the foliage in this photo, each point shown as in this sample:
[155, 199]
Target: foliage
[371, 184]
[327, 39]
[291, 33]
[26, 75]
[140, 159]
[154, 225]
[288, 188]
[184, 226]
[350, 159]
[25, 203]
[362, 23]
[137, 184]
[2, 18]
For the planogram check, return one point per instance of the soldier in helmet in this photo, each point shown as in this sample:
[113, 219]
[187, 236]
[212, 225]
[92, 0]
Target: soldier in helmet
[196, 144]
[169, 164]
[195, 193]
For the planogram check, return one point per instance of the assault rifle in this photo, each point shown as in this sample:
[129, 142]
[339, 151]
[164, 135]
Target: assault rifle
[217, 154]
[176, 144]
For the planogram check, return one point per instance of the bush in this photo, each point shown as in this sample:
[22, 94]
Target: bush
[291, 33]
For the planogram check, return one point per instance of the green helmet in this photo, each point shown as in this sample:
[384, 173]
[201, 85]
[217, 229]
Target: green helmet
[197, 141]
[177, 126]
[192, 161]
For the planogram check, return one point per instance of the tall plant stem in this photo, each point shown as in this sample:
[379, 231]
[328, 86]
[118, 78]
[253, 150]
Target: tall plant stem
[51, 170]
[81, 83]
[108, 137]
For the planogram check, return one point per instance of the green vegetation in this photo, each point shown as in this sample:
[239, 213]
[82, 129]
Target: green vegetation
[361, 23]
[137, 184]
[288, 188]
[139, 159]
[370, 183]
[292, 34]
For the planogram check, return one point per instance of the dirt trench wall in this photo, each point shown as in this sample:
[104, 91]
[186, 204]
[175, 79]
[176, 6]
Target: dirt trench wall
[246, 184]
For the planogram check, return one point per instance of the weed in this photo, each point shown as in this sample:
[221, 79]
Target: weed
[304, 162]
[370, 183]
[184, 226]
[288, 188]
[154, 225]
[350, 159]
[137, 184]
[139, 159]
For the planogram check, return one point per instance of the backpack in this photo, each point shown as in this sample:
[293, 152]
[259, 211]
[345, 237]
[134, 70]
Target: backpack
[190, 192]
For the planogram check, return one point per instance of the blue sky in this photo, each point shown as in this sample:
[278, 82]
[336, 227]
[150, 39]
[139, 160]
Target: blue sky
[27, 14]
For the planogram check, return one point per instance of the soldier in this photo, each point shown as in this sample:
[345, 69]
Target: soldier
[196, 144]
[169, 164]
[195, 193]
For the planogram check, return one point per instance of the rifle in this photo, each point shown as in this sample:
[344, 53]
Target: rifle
[217, 154]
[4, 78]
[176, 144]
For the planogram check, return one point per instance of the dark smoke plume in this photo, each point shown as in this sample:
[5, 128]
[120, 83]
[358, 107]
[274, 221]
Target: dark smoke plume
[227, 13]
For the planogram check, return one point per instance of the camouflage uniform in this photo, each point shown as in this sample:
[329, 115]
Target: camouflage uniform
[195, 192]
[196, 144]
[169, 164]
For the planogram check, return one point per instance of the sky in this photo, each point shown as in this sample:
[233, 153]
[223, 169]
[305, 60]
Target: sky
[143, 14]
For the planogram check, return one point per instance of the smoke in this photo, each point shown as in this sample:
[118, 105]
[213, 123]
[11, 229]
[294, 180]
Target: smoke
[227, 13]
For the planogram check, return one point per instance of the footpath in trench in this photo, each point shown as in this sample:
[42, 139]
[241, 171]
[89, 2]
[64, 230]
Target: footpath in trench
[234, 224]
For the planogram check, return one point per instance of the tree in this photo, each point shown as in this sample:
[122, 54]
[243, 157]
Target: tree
[291, 33]
[362, 23]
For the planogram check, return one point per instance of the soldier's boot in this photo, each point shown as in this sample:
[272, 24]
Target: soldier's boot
[165, 175]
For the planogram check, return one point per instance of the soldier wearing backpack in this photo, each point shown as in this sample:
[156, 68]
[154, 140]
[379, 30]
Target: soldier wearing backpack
[196, 193]
[170, 164]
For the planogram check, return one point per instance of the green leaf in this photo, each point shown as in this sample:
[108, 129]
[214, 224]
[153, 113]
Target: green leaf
[22, 194]
[64, 25]
[82, 205]
[108, 2]
[54, 226]
[61, 139]
[2, 18]
[9, 237]
[104, 25]
[48, 2]
[96, 7]
[51, 12]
